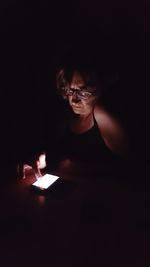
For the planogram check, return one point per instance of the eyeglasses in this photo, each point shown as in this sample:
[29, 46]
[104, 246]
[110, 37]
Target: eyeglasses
[79, 93]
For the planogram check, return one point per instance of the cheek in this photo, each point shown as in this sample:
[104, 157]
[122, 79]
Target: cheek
[86, 106]
[92, 101]
[89, 103]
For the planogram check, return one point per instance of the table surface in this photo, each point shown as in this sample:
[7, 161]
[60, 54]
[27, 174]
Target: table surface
[85, 219]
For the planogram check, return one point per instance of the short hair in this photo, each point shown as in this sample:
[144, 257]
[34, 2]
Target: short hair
[89, 71]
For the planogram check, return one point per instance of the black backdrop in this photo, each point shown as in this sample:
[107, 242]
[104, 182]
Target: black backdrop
[33, 34]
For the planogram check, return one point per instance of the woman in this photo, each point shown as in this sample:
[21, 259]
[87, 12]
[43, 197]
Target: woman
[89, 131]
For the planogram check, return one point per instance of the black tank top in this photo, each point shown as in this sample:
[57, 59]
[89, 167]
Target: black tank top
[88, 145]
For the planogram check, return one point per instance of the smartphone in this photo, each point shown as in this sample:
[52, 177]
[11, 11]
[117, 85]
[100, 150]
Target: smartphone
[45, 181]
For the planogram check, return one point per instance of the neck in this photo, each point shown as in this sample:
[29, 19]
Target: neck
[81, 122]
[83, 116]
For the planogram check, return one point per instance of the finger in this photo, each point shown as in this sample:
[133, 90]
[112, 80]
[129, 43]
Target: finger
[42, 161]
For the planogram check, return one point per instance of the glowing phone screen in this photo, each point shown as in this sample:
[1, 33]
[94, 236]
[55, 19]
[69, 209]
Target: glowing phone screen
[45, 181]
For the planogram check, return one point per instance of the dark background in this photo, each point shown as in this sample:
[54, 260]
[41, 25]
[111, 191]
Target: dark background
[98, 215]
[33, 35]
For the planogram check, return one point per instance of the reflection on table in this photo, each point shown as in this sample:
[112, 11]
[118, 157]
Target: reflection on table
[89, 217]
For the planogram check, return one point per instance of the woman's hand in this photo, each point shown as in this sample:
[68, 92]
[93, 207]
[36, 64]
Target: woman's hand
[41, 162]
[35, 164]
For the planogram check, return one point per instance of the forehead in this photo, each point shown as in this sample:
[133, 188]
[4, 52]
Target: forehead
[77, 79]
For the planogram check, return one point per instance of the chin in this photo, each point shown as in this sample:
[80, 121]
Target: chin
[77, 112]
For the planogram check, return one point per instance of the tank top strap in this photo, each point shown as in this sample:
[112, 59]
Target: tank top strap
[95, 123]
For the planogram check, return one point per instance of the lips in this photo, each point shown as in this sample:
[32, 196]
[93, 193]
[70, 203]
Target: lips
[74, 107]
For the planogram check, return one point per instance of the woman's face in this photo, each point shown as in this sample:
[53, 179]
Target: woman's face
[81, 98]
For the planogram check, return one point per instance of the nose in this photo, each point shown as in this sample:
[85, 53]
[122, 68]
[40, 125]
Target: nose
[75, 98]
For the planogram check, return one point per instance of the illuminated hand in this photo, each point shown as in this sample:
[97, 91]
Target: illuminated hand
[36, 165]
[41, 162]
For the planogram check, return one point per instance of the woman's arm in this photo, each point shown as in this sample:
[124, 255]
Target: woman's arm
[112, 132]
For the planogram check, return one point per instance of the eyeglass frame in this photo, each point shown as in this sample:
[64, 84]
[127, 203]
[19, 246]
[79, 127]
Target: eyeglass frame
[78, 92]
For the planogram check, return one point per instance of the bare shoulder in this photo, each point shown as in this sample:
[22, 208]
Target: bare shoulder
[112, 131]
[105, 120]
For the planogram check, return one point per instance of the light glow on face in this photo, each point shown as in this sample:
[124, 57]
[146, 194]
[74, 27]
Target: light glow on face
[80, 105]
[45, 181]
